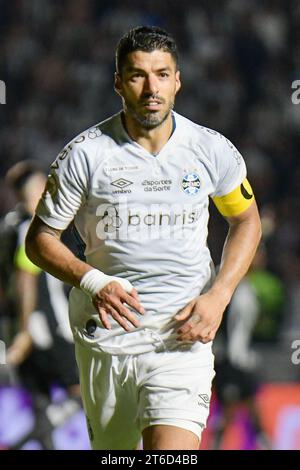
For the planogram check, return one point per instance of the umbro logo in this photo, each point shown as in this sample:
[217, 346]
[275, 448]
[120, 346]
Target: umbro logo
[204, 400]
[121, 183]
[204, 397]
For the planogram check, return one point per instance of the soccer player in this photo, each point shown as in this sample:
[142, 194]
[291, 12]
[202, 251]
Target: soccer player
[146, 305]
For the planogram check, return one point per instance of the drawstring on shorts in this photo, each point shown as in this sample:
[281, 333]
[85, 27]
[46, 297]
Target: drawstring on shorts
[125, 363]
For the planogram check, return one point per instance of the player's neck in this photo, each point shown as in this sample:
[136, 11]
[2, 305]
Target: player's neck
[153, 140]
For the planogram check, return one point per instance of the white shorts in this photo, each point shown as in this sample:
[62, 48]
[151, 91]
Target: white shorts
[123, 395]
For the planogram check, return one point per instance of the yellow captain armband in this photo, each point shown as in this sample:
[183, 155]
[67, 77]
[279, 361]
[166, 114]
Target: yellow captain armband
[22, 261]
[235, 202]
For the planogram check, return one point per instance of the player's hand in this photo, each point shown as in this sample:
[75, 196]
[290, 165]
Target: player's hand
[110, 302]
[203, 317]
[20, 349]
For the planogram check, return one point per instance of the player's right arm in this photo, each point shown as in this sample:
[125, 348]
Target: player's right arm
[45, 249]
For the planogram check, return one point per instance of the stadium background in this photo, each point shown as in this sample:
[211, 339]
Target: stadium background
[238, 60]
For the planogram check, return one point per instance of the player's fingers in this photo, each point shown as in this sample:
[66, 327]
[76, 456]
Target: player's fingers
[184, 329]
[104, 318]
[124, 312]
[193, 320]
[195, 336]
[119, 319]
[205, 339]
[114, 300]
[187, 337]
[211, 335]
[193, 330]
[134, 303]
[134, 293]
[184, 313]
[123, 295]
[205, 332]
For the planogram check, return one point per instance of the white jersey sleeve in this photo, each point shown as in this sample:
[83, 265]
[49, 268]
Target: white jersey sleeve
[229, 165]
[67, 187]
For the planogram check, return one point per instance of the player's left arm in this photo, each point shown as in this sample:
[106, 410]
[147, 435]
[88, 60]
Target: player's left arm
[203, 315]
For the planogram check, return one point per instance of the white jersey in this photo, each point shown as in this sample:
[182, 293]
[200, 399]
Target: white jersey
[142, 217]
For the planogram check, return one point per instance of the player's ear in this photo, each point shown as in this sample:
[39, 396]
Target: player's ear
[177, 81]
[118, 83]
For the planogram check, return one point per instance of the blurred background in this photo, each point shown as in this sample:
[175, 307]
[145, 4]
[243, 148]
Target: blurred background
[238, 59]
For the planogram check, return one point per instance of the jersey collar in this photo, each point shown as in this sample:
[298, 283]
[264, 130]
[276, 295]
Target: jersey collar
[125, 136]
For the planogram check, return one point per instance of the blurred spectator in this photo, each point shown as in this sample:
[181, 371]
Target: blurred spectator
[42, 347]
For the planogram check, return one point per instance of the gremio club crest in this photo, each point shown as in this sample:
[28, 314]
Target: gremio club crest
[191, 184]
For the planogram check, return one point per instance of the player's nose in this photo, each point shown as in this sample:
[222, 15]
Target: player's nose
[151, 85]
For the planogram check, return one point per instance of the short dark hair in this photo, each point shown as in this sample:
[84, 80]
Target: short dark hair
[146, 39]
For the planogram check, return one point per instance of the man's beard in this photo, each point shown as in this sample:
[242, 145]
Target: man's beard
[150, 120]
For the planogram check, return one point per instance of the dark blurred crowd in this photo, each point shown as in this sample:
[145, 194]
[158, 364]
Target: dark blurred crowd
[238, 60]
